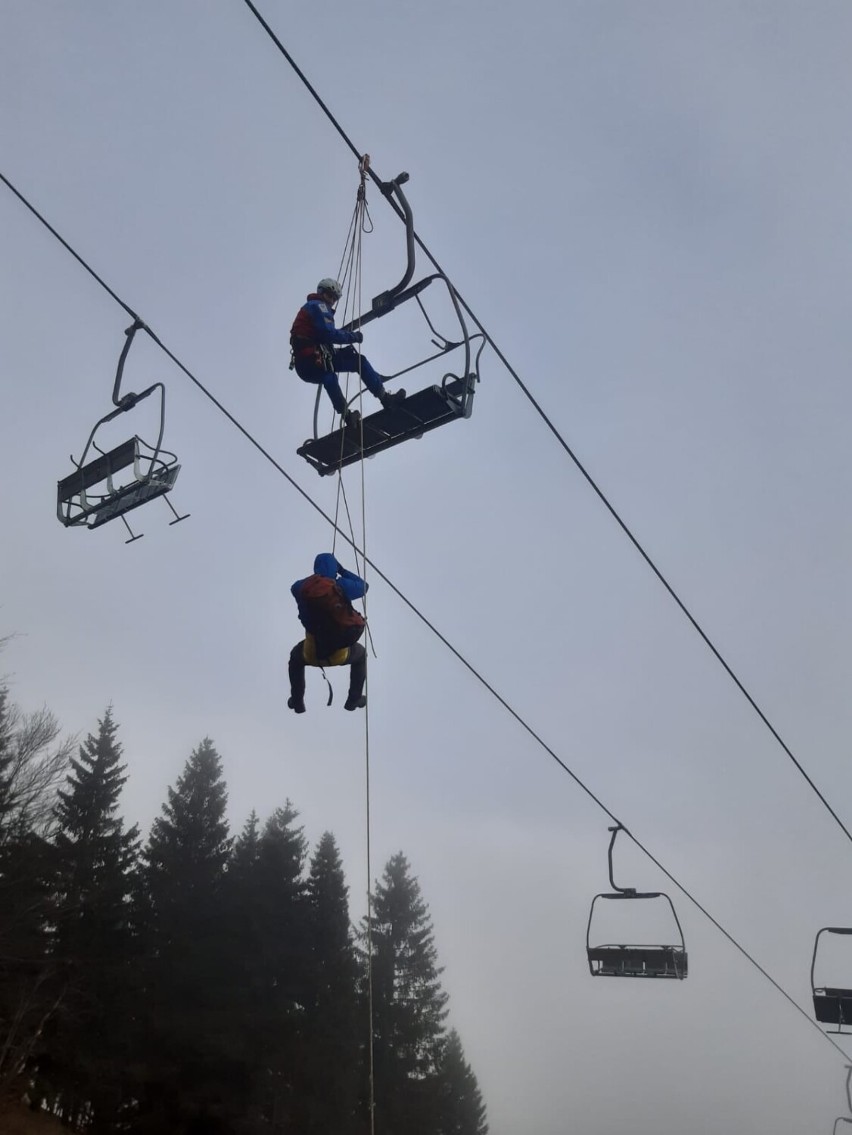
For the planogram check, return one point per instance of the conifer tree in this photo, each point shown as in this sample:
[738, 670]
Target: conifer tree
[95, 855]
[409, 1005]
[335, 1031]
[461, 1108]
[93, 864]
[280, 948]
[189, 843]
[246, 850]
[193, 1067]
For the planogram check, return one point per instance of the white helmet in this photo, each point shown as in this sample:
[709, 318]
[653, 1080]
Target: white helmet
[327, 284]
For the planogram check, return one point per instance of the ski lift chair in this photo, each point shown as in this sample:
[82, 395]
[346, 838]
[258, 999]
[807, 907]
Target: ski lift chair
[832, 1005]
[423, 410]
[99, 489]
[610, 959]
[842, 1118]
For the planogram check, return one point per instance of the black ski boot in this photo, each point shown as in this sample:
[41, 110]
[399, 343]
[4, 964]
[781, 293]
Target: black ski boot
[390, 399]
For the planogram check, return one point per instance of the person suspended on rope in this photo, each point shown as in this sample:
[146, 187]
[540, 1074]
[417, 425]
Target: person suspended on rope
[321, 351]
[333, 628]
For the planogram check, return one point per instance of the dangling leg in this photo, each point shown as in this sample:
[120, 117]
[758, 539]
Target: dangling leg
[357, 677]
[296, 667]
[346, 359]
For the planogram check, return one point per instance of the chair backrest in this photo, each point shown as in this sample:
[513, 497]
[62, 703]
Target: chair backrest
[98, 470]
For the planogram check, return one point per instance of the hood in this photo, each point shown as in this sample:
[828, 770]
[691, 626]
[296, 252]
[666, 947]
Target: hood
[313, 296]
[325, 564]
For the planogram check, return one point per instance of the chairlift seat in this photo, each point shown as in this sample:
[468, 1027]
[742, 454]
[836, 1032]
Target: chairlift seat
[420, 412]
[833, 1006]
[133, 495]
[638, 961]
[75, 507]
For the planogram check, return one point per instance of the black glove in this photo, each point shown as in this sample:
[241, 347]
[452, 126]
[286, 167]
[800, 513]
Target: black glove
[357, 337]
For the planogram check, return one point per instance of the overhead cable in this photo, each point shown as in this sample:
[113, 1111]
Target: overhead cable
[419, 614]
[567, 448]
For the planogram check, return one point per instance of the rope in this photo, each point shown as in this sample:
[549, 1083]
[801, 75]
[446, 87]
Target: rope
[430, 626]
[361, 209]
[349, 274]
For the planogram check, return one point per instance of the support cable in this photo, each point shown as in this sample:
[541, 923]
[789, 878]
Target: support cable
[569, 451]
[427, 623]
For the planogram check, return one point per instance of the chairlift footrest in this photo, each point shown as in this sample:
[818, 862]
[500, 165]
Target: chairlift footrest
[419, 413]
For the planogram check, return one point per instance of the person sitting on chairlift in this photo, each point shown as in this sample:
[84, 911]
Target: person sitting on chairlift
[321, 351]
[333, 627]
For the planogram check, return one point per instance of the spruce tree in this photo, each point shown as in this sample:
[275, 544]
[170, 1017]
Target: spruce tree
[93, 863]
[461, 1108]
[335, 1030]
[193, 1069]
[246, 850]
[280, 962]
[409, 1005]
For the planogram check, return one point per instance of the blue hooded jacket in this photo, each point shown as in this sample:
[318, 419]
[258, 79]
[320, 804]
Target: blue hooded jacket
[325, 564]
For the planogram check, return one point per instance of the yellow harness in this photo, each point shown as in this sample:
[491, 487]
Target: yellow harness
[309, 653]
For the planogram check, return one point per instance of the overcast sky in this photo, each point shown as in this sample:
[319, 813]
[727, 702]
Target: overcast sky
[648, 206]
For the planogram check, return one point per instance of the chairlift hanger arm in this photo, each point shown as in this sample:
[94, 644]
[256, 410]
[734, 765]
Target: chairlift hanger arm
[389, 299]
[391, 188]
[137, 325]
[629, 892]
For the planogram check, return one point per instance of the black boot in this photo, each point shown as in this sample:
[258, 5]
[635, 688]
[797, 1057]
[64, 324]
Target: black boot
[351, 419]
[357, 677]
[296, 703]
[390, 399]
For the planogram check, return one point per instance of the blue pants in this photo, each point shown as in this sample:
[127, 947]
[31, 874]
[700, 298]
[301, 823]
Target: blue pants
[346, 360]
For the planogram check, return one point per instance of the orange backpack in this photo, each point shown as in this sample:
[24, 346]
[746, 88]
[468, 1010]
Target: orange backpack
[330, 617]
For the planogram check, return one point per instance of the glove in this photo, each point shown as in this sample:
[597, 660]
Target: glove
[357, 337]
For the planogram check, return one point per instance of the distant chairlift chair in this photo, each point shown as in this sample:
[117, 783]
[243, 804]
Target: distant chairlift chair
[617, 960]
[93, 494]
[842, 1119]
[832, 1005]
[425, 409]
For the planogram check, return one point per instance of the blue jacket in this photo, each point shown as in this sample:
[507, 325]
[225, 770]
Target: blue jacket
[352, 585]
[314, 326]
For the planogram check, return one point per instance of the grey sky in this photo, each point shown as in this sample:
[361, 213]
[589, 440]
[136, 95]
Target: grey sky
[647, 204]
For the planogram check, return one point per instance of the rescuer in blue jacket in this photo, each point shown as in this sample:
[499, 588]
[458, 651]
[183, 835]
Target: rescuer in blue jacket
[332, 628]
[321, 351]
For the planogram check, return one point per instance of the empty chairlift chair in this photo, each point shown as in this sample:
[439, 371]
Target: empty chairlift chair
[611, 959]
[425, 409]
[832, 1004]
[108, 486]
